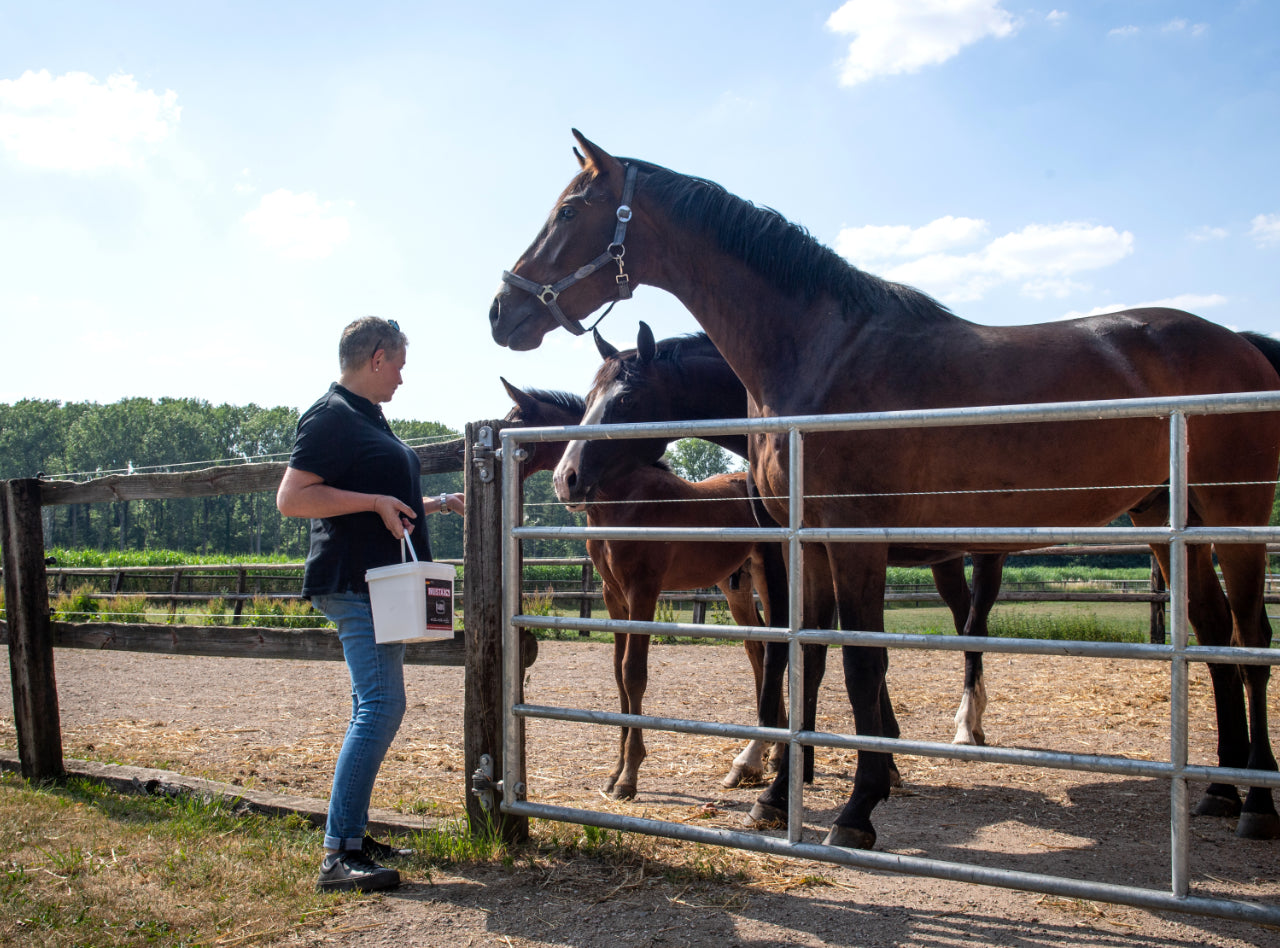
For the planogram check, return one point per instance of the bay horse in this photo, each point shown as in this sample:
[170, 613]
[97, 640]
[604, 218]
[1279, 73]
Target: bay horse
[686, 379]
[634, 573]
[807, 333]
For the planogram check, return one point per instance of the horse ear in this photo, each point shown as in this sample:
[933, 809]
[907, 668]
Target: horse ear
[606, 351]
[582, 162]
[645, 346]
[523, 400]
[597, 159]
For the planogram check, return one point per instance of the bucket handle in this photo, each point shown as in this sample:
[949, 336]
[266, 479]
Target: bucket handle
[412, 552]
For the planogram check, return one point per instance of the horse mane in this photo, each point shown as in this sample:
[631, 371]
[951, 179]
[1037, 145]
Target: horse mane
[564, 400]
[782, 252]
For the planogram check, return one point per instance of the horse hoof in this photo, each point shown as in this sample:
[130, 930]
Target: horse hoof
[742, 777]
[623, 791]
[767, 813]
[1258, 826]
[895, 779]
[850, 837]
[1211, 804]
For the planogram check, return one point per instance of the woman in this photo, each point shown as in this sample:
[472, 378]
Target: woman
[361, 487]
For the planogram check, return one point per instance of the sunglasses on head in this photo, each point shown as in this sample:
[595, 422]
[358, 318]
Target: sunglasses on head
[378, 345]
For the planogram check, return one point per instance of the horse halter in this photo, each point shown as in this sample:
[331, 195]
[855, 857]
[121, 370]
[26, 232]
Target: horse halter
[548, 292]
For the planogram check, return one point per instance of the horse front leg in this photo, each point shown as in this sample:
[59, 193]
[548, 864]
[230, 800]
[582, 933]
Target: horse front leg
[633, 682]
[818, 612]
[616, 605]
[859, 577]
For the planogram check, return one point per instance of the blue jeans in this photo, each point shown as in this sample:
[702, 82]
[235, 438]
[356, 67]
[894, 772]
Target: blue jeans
[377, 707]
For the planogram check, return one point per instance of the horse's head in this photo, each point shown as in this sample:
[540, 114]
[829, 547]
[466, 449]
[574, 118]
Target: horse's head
[576, 262]
[626, 389]
[539, 409]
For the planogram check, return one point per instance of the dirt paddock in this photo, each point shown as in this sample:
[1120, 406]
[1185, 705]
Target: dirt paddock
[277, 724]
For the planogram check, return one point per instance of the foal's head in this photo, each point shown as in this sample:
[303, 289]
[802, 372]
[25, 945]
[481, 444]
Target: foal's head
[539, 409]
[629, 388]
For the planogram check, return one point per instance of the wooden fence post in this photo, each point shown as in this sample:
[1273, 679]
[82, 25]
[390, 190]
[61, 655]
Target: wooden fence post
[482, 607]
[26, 595]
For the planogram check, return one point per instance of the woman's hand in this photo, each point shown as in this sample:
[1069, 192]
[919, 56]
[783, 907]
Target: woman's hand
[455, 503]
[396, 515]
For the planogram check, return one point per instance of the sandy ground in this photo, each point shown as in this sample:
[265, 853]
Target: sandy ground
[276, 725]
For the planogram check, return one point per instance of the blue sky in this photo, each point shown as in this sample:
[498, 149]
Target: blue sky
[196, 198]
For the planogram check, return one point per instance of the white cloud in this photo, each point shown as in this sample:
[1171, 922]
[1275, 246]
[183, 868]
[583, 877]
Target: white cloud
[1057, 17]
[881, 243]
[1207, 233]
[297, 226]
[1182, 26]
[1191, 302]
[1266, 229]
[1041, 258]
[74, 122]
[907, 35]
[1123, 31]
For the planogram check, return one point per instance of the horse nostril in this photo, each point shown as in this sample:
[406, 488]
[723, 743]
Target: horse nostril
[495, 311]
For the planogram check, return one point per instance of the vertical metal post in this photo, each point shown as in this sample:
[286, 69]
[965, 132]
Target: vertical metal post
[795, 619]
[1179, 811]
[512, 745]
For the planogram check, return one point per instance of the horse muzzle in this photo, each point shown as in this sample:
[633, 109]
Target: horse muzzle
[515, 321]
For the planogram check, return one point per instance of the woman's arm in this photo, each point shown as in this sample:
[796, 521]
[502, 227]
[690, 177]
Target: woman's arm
[303, 494]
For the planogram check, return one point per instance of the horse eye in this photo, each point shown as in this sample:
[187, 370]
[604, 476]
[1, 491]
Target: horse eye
[566, 213]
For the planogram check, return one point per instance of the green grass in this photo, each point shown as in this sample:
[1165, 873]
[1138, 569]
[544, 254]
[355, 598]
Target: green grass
[84, 865]
[78, 559]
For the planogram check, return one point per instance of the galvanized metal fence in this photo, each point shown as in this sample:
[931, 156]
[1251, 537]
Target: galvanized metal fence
[1178, 655]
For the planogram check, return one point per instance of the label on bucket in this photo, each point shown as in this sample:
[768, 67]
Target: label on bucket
[440, 604]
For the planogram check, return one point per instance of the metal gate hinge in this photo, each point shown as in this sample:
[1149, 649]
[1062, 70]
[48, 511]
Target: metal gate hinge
[483, 786]
[484, 453]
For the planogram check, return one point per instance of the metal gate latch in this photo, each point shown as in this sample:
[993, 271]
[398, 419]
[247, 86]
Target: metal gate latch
[484, 452]
[483, 786]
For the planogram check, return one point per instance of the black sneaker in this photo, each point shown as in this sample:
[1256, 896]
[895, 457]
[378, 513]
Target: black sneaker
[351, 870]
[379, 852]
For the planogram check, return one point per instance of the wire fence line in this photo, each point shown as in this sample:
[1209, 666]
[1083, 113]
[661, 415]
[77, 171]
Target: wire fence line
[174, 466]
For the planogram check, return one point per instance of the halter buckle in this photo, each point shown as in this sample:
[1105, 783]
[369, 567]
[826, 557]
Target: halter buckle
[548, 294]
[624, 213]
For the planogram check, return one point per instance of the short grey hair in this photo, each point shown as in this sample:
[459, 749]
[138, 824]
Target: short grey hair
[364, 337]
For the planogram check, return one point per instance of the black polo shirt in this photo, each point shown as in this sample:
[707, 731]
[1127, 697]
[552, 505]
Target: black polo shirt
[345, 440]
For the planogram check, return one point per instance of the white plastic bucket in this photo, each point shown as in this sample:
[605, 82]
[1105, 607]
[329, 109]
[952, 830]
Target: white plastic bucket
[412, 602]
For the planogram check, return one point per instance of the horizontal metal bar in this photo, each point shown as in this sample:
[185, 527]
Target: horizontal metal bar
[959, 537]
[912, 865]
[1110, 409]
[679, 534]
[744, 732]
[946, 642]
[1011, 756]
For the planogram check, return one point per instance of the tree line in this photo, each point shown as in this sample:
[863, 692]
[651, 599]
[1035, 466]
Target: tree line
[88, 439]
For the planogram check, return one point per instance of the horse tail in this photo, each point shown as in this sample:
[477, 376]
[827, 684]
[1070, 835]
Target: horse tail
[1267, 345]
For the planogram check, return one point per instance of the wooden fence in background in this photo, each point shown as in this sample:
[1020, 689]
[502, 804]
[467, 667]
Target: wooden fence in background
[32, 635]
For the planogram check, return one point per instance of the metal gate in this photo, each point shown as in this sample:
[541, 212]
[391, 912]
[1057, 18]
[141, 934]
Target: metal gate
[1178, 655]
